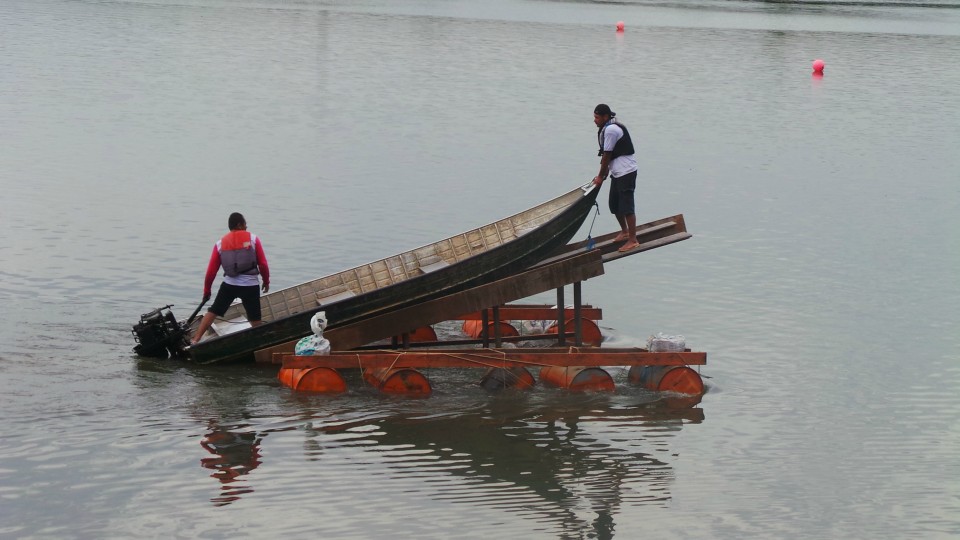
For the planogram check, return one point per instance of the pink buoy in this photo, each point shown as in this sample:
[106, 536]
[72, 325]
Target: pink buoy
[818, 66]
[620, 26]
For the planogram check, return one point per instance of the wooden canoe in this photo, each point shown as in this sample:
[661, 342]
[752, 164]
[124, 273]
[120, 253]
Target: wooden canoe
[466, 260]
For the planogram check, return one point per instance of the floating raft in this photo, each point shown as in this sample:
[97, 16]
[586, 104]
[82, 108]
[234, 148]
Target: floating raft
[485, 310]
[573, 368]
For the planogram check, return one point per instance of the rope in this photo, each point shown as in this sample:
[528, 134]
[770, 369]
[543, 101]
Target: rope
[502, 357]
[590, 242]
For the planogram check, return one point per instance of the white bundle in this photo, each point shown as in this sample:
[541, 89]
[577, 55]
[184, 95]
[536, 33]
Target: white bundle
[665, 343]
[315, 345]
[312, 346]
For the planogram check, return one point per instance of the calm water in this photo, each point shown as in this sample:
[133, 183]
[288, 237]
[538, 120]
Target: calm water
[821, 279]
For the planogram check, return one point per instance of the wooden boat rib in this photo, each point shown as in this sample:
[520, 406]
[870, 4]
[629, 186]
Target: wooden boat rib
[465, 260]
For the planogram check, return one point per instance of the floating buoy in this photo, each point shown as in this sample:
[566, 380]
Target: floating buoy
[620, 26]
[578, 379]
[818, 66]
[500, 378]
[315, 379]
[405, 381]
[589, 331]
[679, 379]
[474, 328]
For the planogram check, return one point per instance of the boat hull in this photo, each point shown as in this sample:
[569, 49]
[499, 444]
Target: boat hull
[496, 263]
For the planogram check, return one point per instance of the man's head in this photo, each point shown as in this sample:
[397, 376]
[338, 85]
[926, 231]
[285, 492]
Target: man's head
[236, 222]
[602, 114]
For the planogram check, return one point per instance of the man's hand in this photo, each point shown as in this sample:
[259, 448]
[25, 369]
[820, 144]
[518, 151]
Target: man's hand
[597, 180]
[206, 296]
[266, 288]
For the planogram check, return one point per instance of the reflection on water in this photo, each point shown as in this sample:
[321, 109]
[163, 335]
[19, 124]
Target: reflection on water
[235, 454]
[567, 462]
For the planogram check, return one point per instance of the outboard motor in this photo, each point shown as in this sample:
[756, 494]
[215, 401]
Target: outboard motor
[158, 334]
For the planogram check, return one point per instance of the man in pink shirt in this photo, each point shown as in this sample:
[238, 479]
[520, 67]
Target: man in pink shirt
[240, 254]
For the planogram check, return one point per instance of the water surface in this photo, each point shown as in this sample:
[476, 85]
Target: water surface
[821, 278]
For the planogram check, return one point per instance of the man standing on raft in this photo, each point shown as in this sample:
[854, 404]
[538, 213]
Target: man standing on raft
[241, 256]
[617, 159]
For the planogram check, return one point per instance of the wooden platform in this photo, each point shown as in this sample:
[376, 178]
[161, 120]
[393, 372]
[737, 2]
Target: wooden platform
[576, 368]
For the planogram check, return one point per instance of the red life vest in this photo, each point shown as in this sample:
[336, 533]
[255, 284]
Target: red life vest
[238, 254]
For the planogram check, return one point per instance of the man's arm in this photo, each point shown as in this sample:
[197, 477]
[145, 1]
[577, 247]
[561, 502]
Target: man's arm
[604, 164]
[262, 265]
[212, 268]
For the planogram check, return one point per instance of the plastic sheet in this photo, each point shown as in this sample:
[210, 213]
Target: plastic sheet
[665, 343]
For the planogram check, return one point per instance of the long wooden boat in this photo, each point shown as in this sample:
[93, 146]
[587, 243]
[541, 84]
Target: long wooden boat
[466, 260]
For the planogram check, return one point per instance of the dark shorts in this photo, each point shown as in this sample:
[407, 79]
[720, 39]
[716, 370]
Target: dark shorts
[250, 296]
[621, 194]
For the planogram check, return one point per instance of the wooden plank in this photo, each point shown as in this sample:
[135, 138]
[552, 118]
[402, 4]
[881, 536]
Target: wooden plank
[485, 358]
[646, 232]
[466, 342]
[522, 285]
[647, 246]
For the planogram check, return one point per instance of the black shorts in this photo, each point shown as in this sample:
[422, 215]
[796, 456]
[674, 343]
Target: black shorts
[250, 296]
[621, 194]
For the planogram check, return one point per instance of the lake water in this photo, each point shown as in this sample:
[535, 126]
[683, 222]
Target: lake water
[822, 277]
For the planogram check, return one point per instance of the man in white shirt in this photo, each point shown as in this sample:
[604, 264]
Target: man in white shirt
[617, 159]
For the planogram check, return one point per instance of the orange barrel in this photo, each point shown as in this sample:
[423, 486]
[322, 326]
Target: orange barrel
[500, 378]
[577, 378]
[404, 381]
[287, 375]
[681, 402]
[588, 329]
[679, 379]
[422, 334]
[475, 327]
[315, 379]
[319, 379]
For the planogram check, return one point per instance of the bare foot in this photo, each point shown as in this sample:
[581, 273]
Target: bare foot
[621, 237]
[629, 246]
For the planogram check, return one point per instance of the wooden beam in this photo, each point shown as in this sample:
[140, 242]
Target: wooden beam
[646, 232]
[646, 246]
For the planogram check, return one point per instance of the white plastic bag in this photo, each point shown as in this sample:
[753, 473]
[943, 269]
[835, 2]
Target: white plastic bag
[315, 345]
[665, 343]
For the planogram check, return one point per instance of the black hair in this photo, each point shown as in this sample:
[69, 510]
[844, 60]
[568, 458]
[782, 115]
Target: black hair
[604, 110]
[236, 221]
